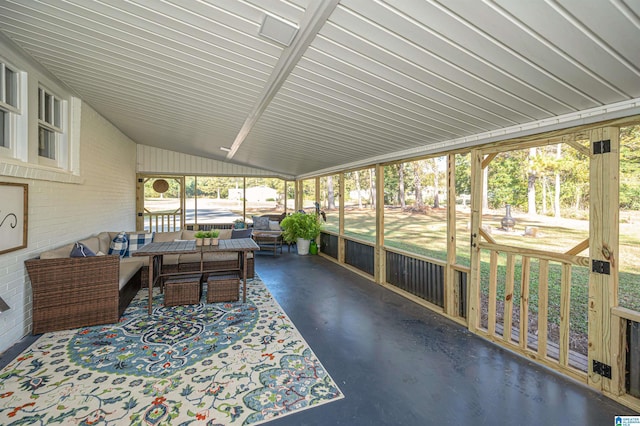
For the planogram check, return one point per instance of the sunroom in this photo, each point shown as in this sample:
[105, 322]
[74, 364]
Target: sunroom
[477, 159]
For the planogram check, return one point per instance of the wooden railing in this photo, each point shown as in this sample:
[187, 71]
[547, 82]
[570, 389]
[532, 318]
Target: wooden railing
[556, 352]
[162, 221]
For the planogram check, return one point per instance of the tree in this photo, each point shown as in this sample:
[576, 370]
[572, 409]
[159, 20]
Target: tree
[357, 177]
[417, 184]
[556, 198]
[463, 174]
[331, 203]
[507, 180]
[401, 198]
[372, 190]
[436, 182]
[630, 168]
[531, 183]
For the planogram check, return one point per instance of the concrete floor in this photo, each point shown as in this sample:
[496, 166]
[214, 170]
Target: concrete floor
[400, 364]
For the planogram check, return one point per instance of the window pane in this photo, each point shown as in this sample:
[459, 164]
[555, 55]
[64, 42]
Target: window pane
[264, 196]
[46, 143]
[629, 216]
[359, 207]
[162, 209]
[463, 208]
[415, 215]
[538, 197]
[40, 105]
[48, 106]
[291, 196]
[309, 195]
[11, 87]
[56, 113]
[4, 129]
[218, 200]
[330, 202]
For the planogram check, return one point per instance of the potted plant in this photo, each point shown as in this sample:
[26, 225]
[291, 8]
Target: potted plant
[199, 236]
[214, 237]
[300, 228]
[207, 238]
[239, 223]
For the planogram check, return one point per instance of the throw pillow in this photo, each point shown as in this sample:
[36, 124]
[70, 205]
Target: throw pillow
[119, 244]
[80, 250]
[274, 226]
[260, 223]
[241, 233]
[136, 241]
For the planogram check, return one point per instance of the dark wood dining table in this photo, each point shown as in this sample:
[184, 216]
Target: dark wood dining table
[155, 251]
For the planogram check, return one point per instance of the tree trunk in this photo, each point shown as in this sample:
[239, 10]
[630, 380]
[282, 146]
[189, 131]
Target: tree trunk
[331, 200]
[417, 184]
[436, 185]
[556, 201]
[544, 195]
[401, 198]
[372, 190]
[531, 184]
[357, 173]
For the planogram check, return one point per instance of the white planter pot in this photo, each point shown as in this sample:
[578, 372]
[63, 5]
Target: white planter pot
[303, 246]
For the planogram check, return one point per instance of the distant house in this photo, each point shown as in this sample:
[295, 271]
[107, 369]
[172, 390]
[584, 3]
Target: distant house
[256, 194]
[259, 194]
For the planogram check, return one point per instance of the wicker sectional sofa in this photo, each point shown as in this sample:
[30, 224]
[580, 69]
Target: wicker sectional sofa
[71, 292]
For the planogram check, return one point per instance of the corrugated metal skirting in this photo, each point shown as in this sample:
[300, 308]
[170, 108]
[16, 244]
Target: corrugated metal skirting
[418, 277]
[329, 244]
[360, 256]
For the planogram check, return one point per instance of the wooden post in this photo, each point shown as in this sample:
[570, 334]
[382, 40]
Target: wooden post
[183, 203]
[380, 256]
[299, 194]
[341, 221]
[476, 219]
[603, 229]
[244, 198]
[140, 202]
[451, 289]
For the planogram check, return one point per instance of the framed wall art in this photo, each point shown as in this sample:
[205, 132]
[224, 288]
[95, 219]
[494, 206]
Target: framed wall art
[13, 216]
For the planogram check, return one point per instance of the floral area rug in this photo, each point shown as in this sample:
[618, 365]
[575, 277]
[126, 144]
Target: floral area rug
[220, 363]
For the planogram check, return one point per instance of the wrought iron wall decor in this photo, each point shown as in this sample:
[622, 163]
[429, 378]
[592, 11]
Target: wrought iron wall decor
[13, 216]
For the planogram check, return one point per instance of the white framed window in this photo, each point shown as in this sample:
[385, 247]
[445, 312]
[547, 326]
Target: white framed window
[52, 147]
[10, 108]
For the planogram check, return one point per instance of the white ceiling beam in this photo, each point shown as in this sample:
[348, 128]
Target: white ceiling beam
[313, 20]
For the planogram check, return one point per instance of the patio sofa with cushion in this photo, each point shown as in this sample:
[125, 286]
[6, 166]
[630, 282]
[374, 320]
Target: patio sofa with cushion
[96, 287]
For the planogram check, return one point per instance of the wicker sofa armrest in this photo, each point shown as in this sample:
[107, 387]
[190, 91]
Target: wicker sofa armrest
[74, 292]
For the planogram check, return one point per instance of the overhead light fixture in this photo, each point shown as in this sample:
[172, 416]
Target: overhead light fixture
[225, 149]
[3, 305]
[277, 29]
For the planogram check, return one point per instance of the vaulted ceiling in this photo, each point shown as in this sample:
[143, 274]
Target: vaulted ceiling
[362, 81]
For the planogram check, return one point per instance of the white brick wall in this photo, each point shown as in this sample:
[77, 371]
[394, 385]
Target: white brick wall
[59, 213]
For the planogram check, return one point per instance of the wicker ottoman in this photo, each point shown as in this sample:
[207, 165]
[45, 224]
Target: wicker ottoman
[182, 290]
[223, 288]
